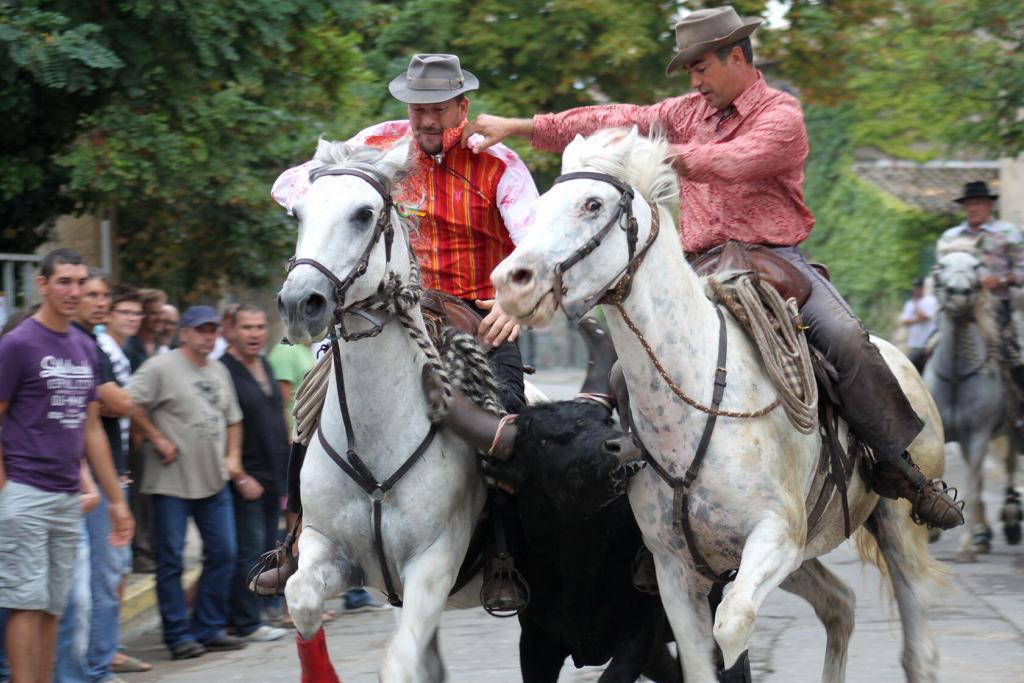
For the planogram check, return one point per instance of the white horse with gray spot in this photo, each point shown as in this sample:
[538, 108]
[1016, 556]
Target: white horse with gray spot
[748, 503]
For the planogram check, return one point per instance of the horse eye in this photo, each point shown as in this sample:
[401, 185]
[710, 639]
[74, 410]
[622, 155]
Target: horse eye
[592, 205]
[364, 215]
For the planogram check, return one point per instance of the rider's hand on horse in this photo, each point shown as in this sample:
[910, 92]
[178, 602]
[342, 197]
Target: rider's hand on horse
[498, 326]
[990, 282]
[494, 129]
[166, 449]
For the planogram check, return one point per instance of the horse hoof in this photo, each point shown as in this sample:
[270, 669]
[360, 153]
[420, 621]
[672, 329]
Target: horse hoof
[966, 557]
[1012, 533]
[1012, 515]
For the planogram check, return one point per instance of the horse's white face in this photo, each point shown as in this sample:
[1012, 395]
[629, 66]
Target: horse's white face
[957, 282]
[564, 219]
[337, 217]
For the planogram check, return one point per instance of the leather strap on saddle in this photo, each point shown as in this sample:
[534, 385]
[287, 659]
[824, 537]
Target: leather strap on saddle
[787, 279]
[453, 312]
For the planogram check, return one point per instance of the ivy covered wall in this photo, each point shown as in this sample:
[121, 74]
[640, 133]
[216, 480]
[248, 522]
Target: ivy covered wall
[872, 243]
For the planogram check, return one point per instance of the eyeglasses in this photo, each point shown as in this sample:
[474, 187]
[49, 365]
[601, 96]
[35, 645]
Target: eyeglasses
[130, 314]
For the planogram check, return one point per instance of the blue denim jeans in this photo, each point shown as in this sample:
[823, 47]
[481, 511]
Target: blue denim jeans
[73, 631]
[107, 565]
[215, 519]
[256, 529]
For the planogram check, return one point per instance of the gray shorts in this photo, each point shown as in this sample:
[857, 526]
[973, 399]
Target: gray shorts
[39, 535]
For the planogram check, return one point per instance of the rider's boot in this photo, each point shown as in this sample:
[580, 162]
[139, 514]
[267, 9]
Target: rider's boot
[504, 592]
[315, 663]
[272, 571]
[932, 502]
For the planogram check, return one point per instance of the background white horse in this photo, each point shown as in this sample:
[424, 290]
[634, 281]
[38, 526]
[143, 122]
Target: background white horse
[429, 516]
[968, 384]
[748, 504]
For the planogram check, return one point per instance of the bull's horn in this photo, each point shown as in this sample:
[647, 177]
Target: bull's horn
[485, 432]
[601, 356]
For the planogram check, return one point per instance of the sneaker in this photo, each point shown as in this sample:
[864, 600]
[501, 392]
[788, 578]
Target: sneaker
[265, 634]
[359, 600]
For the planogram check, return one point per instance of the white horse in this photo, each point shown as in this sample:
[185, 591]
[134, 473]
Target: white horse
[747, 505]
[967, 382]
[426, 518]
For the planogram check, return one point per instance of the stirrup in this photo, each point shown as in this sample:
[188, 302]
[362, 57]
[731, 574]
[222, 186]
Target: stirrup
[505, 592]
[272, 570]
[925, 502]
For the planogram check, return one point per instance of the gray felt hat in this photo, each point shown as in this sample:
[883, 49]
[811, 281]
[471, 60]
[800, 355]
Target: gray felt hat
[432, 78]
[705, 30]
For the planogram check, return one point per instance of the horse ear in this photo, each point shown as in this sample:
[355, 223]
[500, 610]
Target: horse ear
[395, 159]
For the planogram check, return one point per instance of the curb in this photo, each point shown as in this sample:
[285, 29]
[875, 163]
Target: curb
[140, 594]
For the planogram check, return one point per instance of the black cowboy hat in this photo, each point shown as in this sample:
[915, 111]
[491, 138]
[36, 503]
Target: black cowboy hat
[976, 190]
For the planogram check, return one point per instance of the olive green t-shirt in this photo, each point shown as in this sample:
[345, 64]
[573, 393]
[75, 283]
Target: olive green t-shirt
[192, 406]
[290, 363]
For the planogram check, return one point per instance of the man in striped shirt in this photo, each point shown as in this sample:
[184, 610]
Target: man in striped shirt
[472, 208]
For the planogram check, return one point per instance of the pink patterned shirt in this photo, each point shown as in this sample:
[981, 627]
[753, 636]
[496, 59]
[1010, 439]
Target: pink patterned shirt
[745, 172]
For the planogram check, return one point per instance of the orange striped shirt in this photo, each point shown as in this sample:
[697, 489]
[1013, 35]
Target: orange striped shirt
[472, 208]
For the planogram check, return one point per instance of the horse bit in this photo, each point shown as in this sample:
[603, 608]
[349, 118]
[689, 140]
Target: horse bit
[354, 467]
[615, 294]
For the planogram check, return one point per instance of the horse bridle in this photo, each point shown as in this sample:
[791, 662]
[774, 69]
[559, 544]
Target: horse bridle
[351, 464]
[622, 216]
[383, 227]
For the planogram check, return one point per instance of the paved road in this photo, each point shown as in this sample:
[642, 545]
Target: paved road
[978, 624]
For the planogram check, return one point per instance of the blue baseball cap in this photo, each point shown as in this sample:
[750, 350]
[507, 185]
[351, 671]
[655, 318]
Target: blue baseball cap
[195, 316]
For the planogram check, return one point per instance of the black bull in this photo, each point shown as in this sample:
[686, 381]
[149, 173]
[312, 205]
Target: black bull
[574, 539]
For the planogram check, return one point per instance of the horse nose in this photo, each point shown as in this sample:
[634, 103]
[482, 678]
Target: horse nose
[521, 277]
[313, 307]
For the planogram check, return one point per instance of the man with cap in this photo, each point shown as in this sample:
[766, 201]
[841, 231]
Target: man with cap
[472, 209]
[739, 150]
[1000, 246]
[187, 410]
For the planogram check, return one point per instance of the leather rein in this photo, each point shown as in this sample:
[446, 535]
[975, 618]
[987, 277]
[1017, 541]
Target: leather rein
[615, 294]
[351, 464]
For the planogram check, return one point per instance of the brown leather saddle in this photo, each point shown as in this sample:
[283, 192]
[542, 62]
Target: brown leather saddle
[787, 279]
[836, 464]
[442, 311]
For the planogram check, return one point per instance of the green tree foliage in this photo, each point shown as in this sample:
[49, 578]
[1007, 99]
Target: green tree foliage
[175, 116]
[919, 76]
[873, 244]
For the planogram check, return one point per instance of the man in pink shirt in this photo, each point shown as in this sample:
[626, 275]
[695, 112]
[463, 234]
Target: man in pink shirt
[740, 149]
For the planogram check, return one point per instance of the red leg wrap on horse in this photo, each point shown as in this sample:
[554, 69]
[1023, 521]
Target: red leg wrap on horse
[314, 660]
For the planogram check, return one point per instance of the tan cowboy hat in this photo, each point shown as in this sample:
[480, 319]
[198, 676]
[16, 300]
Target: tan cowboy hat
[705, 30]
[432, 78]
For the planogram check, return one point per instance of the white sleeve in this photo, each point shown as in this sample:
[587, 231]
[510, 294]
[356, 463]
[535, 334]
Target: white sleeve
[516, 192]
[291, 185]
[908, 311]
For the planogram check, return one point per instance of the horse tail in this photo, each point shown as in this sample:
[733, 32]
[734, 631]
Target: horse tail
[908, 541]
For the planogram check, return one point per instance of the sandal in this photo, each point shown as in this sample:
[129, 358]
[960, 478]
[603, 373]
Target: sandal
[129, 665]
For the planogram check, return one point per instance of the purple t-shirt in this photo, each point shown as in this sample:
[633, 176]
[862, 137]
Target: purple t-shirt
[47, 379]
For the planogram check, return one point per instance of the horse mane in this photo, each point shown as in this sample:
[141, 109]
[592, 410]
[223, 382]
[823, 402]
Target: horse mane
[370, 160]
[639, 160]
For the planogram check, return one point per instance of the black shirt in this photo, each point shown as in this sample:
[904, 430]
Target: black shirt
[111, 426]
[264, 433]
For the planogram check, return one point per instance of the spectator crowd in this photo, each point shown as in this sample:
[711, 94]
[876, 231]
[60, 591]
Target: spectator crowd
[112, 400]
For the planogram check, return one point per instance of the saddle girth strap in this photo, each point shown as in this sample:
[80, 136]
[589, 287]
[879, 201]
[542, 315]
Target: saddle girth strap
[357, 471]
[681, 485]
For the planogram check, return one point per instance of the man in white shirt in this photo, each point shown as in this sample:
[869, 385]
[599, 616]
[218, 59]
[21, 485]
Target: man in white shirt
[918, 317]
